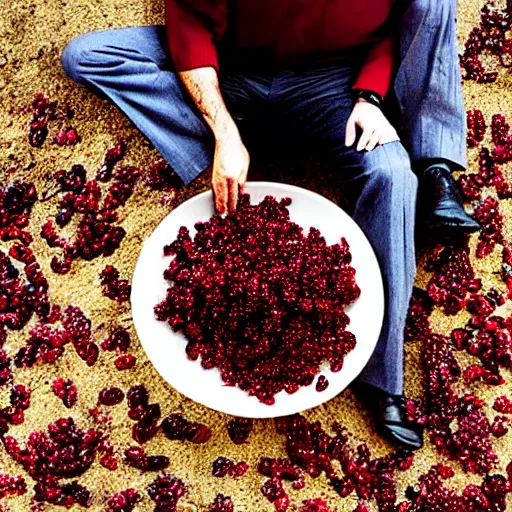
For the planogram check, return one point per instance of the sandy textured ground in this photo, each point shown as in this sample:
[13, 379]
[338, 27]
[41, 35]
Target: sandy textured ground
[33, 33]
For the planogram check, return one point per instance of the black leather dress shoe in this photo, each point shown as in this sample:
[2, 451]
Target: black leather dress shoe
[442, 205]
[391, 421]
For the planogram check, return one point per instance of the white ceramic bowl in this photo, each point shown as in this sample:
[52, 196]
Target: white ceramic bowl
[166, 349]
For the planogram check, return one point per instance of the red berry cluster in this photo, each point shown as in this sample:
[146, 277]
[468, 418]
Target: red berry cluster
[491, 37]
[319, 505]
[310, 448]
[16, 202]
[48, 344]
[145, 414]
[123, 501]
[110, 396]
[112, 157]
[67, 137]
[66, 391]
[260, 300]
[453, 277]
[65, 452]
[221, 504]
[321, 384]
[165, 491]
[490, 219]
[160, 176]
[239, 429]
[137, 458]
[176, 427]
[222, 466]
[12, 486]
[476, 128]
[96, 234]
[119, 340]
[14, 414]
[43, 111]
[113, 287]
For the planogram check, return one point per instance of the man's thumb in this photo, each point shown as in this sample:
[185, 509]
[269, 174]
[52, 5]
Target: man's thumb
[350, 136]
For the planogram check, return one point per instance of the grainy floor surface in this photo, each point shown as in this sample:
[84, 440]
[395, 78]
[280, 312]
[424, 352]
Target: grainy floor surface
[33, 34]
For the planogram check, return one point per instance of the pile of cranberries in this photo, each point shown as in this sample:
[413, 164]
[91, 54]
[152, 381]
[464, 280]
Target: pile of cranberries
[259, 299]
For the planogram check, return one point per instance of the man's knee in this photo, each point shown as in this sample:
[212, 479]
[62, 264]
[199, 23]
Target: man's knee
[390, 165]
[73, 56]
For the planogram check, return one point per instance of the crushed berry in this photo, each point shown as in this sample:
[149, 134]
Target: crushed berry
[110, 396]
[112, 157]
[137, 458]
[221, 504]
[65, 390]
[175, 426]
[123, 501]
[222, 466]
[113, 287]
[165, 491]
[293, 287]
[239, 429]
[321, 384]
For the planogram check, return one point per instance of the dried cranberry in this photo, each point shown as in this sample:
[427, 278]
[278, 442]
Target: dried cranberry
[110, 396]
[175, 426]
[65, 390]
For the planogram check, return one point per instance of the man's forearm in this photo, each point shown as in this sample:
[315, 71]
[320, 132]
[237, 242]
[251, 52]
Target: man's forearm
[202, 84]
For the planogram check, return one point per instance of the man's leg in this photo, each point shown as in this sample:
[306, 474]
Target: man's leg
[131, 67]
[318, 104]
[428, 87]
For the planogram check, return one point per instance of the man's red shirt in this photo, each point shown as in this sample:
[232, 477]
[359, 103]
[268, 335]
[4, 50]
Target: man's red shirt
[285, 29]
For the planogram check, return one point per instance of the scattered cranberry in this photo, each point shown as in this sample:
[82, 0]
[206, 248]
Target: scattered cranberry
[123, 501]
[65, 390]
[145, 414]
[125, 362]
[175, 426]
[321, 384]
[293, 287]
[160, 176]
[118, 340]
[221, 504]
[491, 221]
[113, 287]
[16, 202]
[318, 505]
[12, 486]
[137, 458]
[67, 137]
[166, 491]
[222, 466]
[43, 111]
[476, 128]
[110, 396]
[503, 404]
[239, 429]
[64, 452]
[499, 426]
[112, 157]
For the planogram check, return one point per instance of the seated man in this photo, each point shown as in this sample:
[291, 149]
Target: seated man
[319, 72]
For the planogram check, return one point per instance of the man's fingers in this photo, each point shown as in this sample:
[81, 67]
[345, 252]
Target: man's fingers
[221, 193]
[364, 139]
[374, 140]
[232, 192]
[242, 180]
[350, 135]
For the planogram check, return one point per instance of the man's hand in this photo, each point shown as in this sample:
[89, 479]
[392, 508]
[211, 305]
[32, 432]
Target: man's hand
[230, 166]
[376, 129]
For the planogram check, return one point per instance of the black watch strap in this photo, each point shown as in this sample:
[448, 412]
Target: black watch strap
[370, 96]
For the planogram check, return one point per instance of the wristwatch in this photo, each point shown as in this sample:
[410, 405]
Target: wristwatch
[370, 96]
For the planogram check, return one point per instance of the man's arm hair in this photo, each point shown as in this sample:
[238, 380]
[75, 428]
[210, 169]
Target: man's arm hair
[202, 84]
